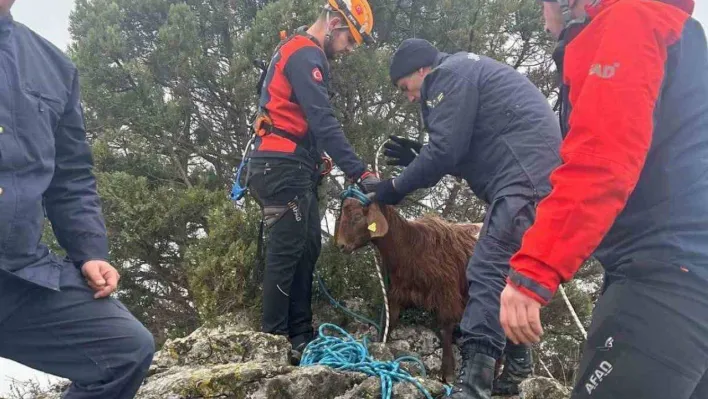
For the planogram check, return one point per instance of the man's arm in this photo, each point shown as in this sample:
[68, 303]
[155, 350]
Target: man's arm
[305, 71]
[603, 154]
[453, 109]
[71, 200]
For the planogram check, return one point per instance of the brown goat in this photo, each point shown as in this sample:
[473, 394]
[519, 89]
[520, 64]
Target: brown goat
[426, 260]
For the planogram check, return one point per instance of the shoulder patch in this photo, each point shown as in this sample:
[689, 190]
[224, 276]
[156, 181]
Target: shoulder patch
[316, 74]
[433, 102]
[473, 56]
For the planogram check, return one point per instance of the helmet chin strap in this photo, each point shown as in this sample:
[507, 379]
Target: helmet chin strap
[328, 31]
[566, 12]
[568, 20]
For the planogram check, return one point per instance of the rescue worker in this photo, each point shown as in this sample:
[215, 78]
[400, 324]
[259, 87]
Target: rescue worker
[491, 126]
[297, 123]
[56, 314]
[632, 190]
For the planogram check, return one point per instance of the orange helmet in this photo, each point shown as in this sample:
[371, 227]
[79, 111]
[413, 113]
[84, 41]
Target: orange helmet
[359, 17]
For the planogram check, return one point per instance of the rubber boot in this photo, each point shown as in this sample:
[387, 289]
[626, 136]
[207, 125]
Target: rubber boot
[518, 366]
[476, 375]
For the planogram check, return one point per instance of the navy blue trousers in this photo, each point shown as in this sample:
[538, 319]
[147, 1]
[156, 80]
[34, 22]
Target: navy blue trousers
[95, 343]
[506, 221]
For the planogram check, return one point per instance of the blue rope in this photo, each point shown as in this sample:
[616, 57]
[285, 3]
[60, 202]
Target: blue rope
[347, 354]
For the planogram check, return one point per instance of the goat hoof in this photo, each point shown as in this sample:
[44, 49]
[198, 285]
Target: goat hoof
[448, 379]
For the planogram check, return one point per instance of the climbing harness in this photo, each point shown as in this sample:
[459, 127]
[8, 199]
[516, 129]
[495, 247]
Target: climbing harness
[260, 124]
[346, 353]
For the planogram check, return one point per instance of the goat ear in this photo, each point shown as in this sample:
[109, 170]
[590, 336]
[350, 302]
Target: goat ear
[378, 226]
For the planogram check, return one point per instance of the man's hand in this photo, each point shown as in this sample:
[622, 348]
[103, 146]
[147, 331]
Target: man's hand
[101, 277]
[368, 182]
[386, 193]
[401, 151]
[520, 316]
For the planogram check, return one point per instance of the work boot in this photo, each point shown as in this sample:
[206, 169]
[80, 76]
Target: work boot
[517, 367]
[476, 375]
[299, 343]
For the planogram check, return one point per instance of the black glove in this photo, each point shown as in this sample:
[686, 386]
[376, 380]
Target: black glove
[387, 194]
[368, 182]
[401, 151]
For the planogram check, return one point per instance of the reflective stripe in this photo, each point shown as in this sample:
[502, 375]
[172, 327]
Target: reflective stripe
[523, 281]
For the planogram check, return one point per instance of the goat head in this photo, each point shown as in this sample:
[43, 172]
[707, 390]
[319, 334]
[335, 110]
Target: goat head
[357, 224]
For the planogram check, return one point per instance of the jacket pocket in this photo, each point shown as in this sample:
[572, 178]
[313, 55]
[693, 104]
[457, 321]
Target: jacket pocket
[501, 121]
[25, 235]
[47, 107]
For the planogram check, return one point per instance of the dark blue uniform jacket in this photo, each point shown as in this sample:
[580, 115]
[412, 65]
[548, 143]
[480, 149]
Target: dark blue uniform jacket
[488, 124]
[45, 161]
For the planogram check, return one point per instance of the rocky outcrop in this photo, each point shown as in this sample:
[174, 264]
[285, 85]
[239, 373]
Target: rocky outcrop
[229, 360]
[232, 361]
[543, 388]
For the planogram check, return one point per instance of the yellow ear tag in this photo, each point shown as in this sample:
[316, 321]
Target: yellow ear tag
[372, 227]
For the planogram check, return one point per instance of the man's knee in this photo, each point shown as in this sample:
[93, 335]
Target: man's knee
[138, 348]
[144, 346]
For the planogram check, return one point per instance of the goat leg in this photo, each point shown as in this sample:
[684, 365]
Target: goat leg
[448, 359]
[394, 311]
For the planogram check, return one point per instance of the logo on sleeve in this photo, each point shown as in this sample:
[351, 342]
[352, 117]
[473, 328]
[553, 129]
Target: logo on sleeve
[317, 74]
[432, 103]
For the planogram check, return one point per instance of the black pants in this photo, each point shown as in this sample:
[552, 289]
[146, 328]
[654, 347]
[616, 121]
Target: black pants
[649, 336]
[505, 223]
[287, 192]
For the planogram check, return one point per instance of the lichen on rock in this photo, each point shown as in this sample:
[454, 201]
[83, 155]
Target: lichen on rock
[230, 361]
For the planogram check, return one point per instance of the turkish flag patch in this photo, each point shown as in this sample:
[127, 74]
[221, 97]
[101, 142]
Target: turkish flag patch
[317, 74]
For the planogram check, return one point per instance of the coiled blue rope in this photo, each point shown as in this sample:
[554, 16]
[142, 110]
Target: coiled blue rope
[348, 354]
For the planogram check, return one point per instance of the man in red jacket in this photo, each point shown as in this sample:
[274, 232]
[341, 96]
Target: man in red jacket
[633, 192]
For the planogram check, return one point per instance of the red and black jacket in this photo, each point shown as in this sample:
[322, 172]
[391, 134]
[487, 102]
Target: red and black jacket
[296, 99]
[633, 186]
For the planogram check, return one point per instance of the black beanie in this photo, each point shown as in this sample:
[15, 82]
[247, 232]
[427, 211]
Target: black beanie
[410, 56]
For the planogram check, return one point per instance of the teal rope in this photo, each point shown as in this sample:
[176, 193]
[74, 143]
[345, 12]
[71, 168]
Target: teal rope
[343, 308]
[353, 192]
[347, 354]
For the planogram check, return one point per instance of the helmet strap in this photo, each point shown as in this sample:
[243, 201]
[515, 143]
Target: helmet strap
[568, 20]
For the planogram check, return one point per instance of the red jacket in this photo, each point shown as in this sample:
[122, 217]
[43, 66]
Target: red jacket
[628, 131]
[295, 96]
